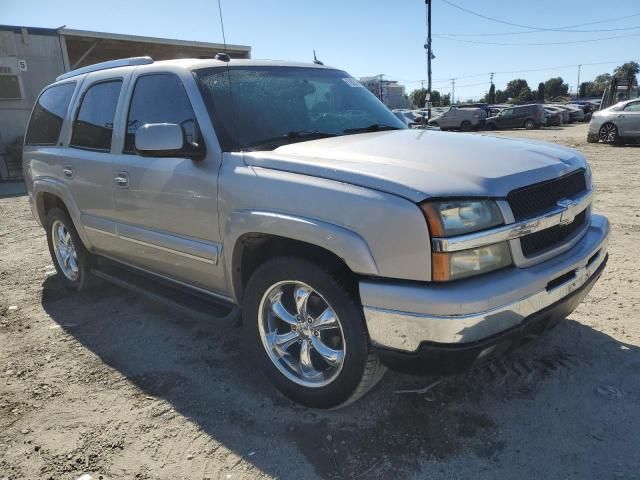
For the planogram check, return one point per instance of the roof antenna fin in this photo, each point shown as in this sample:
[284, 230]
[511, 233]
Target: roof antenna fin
[315, 59]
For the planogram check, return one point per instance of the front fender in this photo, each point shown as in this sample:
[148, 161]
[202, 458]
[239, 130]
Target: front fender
[344, 243]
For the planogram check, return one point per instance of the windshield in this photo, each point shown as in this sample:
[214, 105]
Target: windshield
[265, 107]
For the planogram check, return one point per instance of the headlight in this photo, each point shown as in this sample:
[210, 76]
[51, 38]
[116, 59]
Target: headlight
[458, 217]
[450, 218]
[465, 263]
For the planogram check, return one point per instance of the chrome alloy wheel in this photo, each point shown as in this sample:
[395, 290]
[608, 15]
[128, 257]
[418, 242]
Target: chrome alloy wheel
[65, 250]
[608, 133]
[301, 333]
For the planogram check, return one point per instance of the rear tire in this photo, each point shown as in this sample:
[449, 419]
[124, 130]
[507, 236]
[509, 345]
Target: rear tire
[592, 138]
[490, 126]
[465, 126]
[316, 366]
[70, 257]
[529, 124]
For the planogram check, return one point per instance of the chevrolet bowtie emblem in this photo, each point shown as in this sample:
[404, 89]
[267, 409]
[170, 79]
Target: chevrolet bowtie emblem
[567, 216]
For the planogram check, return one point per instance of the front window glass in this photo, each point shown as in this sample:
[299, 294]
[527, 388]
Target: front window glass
[632, 107]
[160, 98]
[265, 107]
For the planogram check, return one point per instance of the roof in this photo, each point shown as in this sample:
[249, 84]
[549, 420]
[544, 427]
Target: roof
[68, 32]
[186, 63]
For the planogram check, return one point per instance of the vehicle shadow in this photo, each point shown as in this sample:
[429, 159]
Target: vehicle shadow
[203, 371]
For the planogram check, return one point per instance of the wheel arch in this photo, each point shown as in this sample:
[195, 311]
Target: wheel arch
[278, 235]
[50, 193]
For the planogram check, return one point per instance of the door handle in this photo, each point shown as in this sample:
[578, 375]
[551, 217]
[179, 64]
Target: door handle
[67, 171]
[121, 179]
[620, 116]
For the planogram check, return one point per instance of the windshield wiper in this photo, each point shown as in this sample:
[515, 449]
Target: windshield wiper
[374, 127]
[292, 135]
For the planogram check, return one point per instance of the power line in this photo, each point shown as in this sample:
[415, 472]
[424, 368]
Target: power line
[486, 17]
[535, 31]
[537, 44]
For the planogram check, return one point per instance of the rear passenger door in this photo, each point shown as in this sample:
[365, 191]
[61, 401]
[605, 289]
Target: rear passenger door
[166, 207]
[87, 162]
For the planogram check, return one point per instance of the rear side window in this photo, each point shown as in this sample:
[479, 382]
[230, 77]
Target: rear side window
[93, 126]
[48, 114]
[160, 98]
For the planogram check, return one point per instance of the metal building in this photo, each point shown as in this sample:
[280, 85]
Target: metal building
[31, 58]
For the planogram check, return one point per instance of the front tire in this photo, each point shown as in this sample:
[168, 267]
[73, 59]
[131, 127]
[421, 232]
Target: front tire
[608, 133]
[308, 333]
[70, 257]
[529, 124]
[465, 126]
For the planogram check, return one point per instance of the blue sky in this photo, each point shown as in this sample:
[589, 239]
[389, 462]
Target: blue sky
[374, 37]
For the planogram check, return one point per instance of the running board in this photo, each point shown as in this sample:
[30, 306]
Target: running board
[196, 304]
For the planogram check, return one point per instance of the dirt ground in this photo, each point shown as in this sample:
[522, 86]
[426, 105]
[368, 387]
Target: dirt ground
[111, 384]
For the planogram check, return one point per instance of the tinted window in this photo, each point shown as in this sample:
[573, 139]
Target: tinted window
[160, 99]
[48, 114]
[94, 124]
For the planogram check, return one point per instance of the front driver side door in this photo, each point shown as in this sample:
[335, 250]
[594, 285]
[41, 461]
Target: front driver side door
[166, 207]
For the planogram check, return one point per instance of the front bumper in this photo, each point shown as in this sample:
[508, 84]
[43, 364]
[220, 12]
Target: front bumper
[403, 318]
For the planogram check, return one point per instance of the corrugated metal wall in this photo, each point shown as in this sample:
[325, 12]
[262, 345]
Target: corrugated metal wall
[37, 59]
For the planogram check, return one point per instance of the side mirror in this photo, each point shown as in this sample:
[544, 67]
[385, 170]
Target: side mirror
[159, 139]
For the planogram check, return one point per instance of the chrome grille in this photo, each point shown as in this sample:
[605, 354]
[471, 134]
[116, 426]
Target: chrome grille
[538, 242]
[537, 199]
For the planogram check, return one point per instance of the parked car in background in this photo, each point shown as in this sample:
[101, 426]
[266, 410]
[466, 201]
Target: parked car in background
[618, 123]
[554, 118]
[522, 116]
[575, 114]
[406, 116]
[465, 119]
[564, 114]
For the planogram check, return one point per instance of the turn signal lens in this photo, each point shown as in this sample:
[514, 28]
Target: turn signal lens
[466, 263]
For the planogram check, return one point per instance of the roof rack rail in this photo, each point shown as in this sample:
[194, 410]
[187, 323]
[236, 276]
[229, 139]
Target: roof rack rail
[122, 62]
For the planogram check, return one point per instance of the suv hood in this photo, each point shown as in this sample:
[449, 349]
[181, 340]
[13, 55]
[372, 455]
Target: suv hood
[418, 164]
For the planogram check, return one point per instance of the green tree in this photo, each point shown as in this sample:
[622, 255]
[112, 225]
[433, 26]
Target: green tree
[501, 96]
[540, 95]
[525, 95]
[436, 97]
[583, 89]
[515, 88]
[446, 100]
[417, 97]
[555, 87]
[628, 70]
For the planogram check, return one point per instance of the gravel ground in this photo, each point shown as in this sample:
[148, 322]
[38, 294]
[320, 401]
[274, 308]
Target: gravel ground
[110, 384]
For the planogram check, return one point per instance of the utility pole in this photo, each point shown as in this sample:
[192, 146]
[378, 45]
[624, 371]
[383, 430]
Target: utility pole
[453, 91]
[491, 99]
[429, 57]
[578, 88]
[380, 86]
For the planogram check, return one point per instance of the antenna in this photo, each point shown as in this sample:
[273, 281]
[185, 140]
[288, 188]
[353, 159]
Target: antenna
[315, 59]
[226, 54]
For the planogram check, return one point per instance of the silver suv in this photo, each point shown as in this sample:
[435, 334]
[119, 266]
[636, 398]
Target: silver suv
[351, 242]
